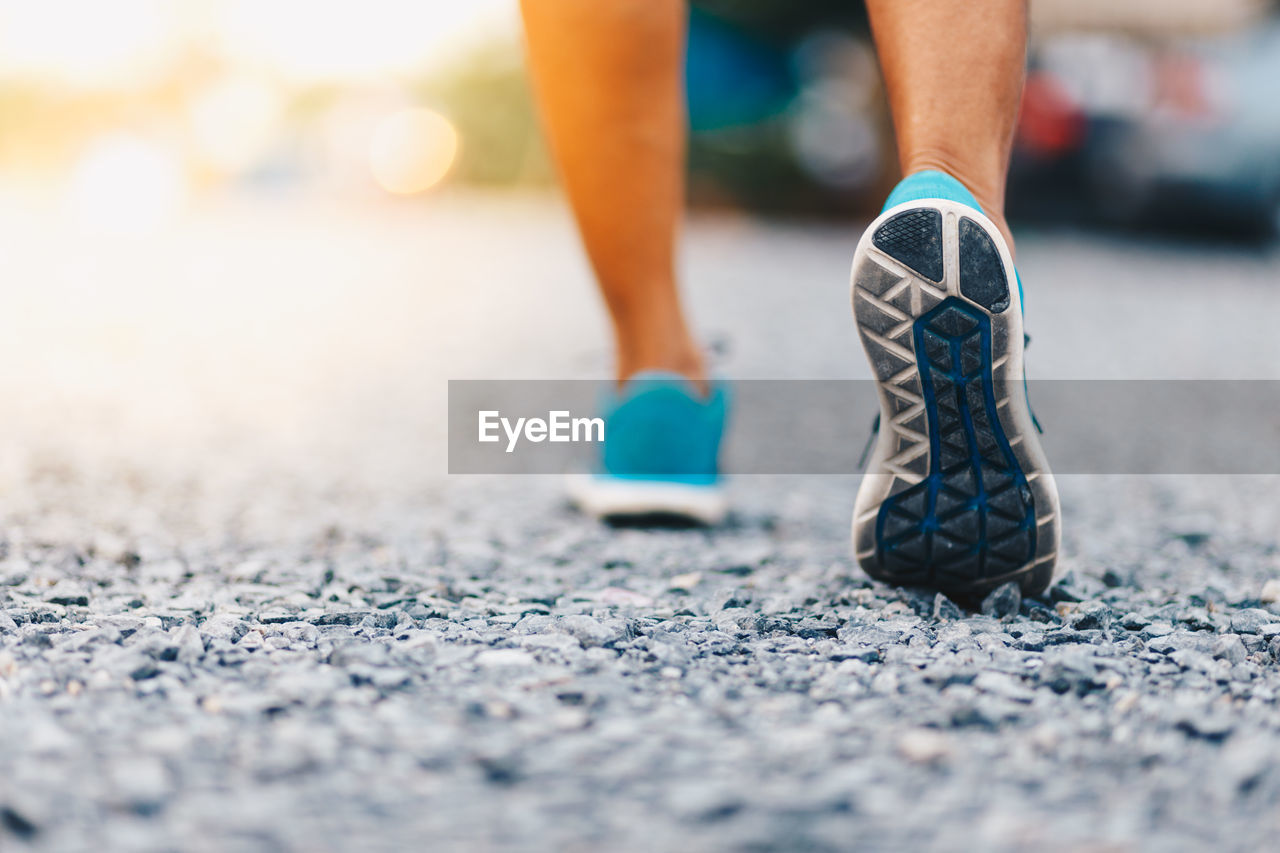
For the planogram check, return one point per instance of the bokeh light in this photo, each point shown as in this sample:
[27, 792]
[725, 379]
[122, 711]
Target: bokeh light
[126, 185]
[309, 40]
[412, 150]
[234, 121]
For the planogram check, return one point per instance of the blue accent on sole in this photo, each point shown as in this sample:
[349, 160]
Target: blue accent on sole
[973, 517]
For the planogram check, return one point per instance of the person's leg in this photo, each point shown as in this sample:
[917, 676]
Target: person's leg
[608, 77]
[954, 71]
[958, 493]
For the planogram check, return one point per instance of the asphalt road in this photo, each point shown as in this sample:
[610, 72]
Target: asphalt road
[243, 608]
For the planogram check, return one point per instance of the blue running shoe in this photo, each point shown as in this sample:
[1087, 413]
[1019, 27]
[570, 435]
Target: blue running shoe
[957, 495]
[660, 454]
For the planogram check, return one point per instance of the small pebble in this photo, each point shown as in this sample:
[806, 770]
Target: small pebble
[1270, 591]
[1003, 602]
[923, 746]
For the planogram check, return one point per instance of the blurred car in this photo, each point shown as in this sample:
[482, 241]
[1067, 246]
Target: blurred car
[1183, 133]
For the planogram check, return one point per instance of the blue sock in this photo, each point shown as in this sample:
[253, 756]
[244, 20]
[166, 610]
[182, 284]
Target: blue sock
[930, 184]
[934, 184]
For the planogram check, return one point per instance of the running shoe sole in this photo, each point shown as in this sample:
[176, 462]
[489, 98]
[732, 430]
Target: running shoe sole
[958, 495]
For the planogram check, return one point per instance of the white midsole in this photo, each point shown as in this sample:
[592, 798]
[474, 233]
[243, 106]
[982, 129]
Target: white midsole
[603, 497]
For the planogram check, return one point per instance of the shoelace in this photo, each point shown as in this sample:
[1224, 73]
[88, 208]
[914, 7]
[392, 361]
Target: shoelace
[875, 423]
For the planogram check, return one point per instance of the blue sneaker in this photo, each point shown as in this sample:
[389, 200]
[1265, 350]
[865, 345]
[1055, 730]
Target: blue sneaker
[958, 495]
[660, 454]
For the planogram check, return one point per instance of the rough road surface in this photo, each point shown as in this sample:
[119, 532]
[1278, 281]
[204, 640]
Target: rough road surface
[241, 609]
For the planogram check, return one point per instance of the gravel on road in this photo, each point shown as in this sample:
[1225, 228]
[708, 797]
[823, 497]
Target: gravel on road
[498, 673]
[241, 611]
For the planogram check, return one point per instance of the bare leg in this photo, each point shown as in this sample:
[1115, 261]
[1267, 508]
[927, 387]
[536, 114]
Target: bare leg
[607, 74]
[954, 71]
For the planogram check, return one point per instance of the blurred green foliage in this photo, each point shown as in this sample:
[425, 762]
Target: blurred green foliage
[488, 99]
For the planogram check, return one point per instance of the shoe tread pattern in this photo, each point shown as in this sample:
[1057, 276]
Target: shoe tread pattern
[973, 515]
[982, 276]
[914, 238]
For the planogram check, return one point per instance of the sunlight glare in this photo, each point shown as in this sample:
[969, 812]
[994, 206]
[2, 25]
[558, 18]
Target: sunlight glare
[234, 121]
[412, 151]
[126, 185]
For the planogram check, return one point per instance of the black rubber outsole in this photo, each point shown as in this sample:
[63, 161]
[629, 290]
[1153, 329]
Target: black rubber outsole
[964, 517]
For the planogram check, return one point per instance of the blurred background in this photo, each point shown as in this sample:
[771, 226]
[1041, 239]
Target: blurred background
[1146, 113]
[246, 235]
